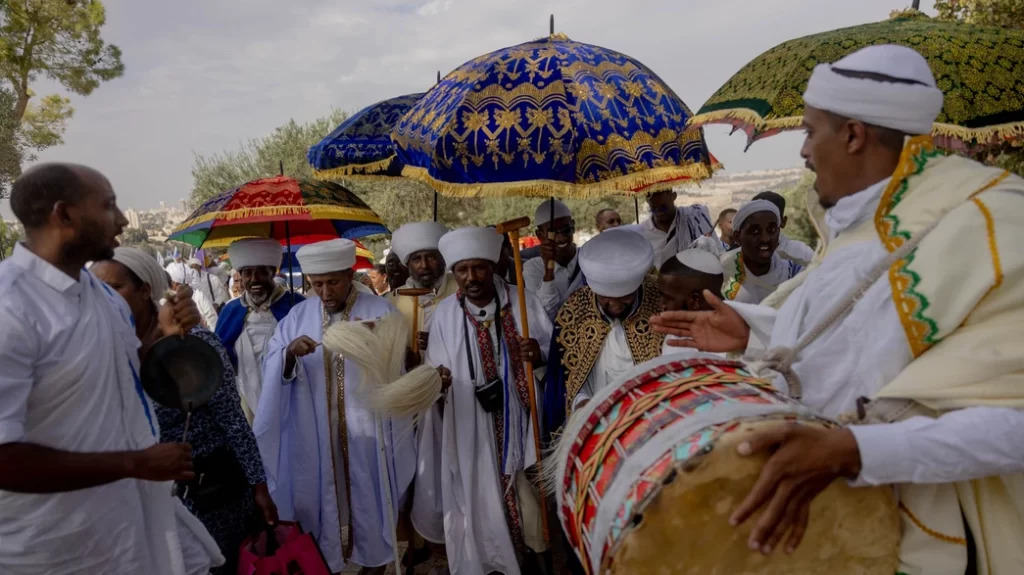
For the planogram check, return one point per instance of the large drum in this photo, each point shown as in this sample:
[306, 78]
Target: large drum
[648, 475]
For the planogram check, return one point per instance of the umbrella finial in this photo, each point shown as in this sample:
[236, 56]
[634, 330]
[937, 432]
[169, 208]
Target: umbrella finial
[552, 24]
[438, 76]
[916, 4]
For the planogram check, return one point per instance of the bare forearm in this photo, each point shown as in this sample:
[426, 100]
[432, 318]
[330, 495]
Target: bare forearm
[29, 468]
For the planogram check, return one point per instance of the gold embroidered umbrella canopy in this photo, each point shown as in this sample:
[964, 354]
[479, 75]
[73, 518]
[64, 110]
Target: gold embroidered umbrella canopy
[980, 69]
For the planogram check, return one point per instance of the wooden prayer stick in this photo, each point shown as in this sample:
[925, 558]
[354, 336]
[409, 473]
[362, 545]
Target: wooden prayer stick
[415, 294]
[512, 228]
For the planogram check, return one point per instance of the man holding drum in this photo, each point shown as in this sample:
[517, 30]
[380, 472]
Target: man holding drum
[908, 327]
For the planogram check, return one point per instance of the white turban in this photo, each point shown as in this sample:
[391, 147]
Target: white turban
[255, 252]
[177, 272]
[416, 237]
[907, 108]
[753, 207]
[326, 257]
[543, 213]
[145, 267]
[194, 262]
[470, 244]
[700, 260]
[616, 261]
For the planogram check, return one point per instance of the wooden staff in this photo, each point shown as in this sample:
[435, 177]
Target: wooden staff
[415, 294]
[512, 228]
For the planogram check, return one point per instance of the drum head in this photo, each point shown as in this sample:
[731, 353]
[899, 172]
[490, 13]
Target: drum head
[851, 530]
[179, 372]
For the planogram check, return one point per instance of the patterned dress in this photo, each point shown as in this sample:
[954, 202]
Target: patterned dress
[220, 423]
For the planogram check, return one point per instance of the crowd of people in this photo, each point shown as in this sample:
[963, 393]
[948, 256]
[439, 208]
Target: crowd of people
[87, 459]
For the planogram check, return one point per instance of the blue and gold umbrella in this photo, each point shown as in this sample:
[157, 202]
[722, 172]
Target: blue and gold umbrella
[361, 145]
[552, 117]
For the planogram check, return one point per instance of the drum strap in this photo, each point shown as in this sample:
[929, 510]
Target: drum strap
[780, 359]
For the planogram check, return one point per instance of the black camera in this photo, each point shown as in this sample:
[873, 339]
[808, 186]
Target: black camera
[491, 395]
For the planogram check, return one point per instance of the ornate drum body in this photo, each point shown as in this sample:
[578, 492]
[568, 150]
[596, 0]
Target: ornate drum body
[648, 474]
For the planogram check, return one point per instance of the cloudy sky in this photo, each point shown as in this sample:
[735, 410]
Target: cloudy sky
[204, 75]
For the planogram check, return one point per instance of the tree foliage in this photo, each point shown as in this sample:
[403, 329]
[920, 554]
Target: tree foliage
[396, 200]
[8, 238]
[12, 148]
[58, 39]
[798, 226]
[134, 237]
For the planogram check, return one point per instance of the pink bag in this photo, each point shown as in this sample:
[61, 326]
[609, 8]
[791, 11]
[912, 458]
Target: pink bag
[282, 550]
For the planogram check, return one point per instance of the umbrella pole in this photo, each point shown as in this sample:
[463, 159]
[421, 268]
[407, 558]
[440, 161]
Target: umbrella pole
[288, 240]
[636, 207]
[512, 229]
[435, 205]
[549, 273]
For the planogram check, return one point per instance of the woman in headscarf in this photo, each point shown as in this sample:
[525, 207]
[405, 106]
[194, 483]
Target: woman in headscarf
[223, 446]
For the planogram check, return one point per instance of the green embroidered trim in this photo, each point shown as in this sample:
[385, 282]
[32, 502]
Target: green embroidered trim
[733, 289]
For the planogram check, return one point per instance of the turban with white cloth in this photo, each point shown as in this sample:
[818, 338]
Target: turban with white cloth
[701, 261]
[146, 269]
[754, 207]
[416, 237]
[471, 244]
[255, 252]
[543, 213]
[909, 108]
[616, 261]
[326, 257]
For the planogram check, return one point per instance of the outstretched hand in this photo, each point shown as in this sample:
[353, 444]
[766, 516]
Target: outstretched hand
[719, 330]
[805, 459]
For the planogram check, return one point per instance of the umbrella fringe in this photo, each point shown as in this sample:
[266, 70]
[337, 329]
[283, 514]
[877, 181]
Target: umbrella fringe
[997, 133]
[351, 170]
[664, 177]
[312, 212]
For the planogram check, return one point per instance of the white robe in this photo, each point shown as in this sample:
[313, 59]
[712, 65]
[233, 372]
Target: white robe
[753, 288]
[552, 294]
[250, 349]
[70, 382]
[866, 350]
[458, 498]
[299, 439]
[613, 362]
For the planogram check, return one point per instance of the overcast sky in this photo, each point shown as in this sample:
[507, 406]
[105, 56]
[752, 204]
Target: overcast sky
[201, 76]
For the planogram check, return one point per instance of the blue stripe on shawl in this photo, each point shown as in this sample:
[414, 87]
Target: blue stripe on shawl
[231, 321]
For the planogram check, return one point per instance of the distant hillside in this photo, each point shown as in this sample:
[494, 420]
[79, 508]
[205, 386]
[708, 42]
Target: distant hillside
[726, 190]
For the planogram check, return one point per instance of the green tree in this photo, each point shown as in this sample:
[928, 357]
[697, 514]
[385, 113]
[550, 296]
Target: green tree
[798, 226]
[8, 238]
[12, 148]
[58, 39]
[134, 237]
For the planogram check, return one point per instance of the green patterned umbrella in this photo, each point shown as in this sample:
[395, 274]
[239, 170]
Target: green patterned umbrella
[980, 69]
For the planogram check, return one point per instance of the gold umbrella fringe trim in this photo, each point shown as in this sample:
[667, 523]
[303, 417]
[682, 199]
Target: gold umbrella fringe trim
[314, 213]
[985, 136]
[354, 170]
[654, 179]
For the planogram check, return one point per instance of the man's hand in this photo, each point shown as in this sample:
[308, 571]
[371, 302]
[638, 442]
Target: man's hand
[720, 330]
[261, 495]
[179, 314]
[530, 350]
[163, 462]
[805, 460]
[302, 346]
[412, 359]
[547, 249]
[446, 378]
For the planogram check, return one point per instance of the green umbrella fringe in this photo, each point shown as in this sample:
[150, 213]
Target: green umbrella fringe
[654, 179]
[354, 170]
[997, 133]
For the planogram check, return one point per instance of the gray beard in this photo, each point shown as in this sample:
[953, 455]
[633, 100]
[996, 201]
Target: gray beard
[416, 284]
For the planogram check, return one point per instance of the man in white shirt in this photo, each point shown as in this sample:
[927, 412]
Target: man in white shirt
[178, 266]
[602, 330]
[210, 285]
[672, 229]
[85, 487]
[206, 308]
[755, 270]
[905, 327]
[556, 274]
[789, 249]
[246, 324]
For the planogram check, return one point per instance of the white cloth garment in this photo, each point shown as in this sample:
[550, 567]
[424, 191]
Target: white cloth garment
[255, 252]
[298, 429]
[701, 261]
[614, 361]
[691, 223]
[213, 288]
[416, 237]
[752, 288]
[864, 351]
[426, 304]
[552, 294]
[325, 257]
[180, 273]
[794, 250]
[470, 244]
[710, 244]
[458, 497]
[69, 382]
[206, 309]
[907, 108]
[250, 349]
[616, 262]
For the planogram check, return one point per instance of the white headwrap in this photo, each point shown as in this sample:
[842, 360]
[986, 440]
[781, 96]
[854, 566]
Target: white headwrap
[416, 237]
[470, 244]
[701, 261]
[326, 257]
[907, 108]
[177, 272]
[753, 207]
[194, 262]
[255, 252]
[616, 261]
[145, 267]
[543, 213]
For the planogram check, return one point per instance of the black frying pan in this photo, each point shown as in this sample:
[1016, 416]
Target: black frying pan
[182, 372]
